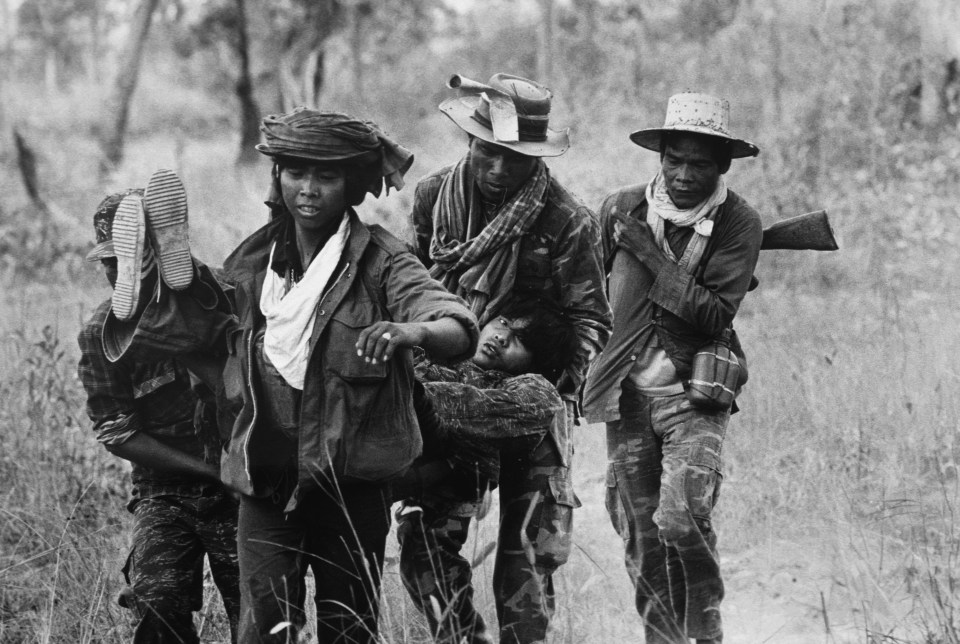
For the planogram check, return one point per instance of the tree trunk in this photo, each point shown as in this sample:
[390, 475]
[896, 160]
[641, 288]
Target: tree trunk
[249, 112]
[939, 44]
[776, 71]
[545, 44]
[315, 75]
[356, 50]
[50, 80]
[9, 30]
[118, 104]
[94, 51]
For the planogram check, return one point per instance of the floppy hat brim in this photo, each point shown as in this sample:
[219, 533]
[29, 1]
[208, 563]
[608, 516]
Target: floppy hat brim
[649, 138]
[460, 110]
[103, 250]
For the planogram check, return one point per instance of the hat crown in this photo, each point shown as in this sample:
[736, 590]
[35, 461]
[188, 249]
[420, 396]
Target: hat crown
[529, 97]
[509, 111]
[698, 114]
[690, 109]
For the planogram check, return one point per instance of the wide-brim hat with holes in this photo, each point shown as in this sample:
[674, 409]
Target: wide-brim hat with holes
[699, 114]
[509, 111]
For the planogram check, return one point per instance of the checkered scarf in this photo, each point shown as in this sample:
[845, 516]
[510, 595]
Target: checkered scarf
[482, 270]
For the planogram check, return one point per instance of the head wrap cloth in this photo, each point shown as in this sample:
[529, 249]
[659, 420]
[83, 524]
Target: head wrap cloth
[338, 139]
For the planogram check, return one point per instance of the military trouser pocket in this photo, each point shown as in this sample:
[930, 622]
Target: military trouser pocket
[613, 503]
[702, 482]
[550, 530]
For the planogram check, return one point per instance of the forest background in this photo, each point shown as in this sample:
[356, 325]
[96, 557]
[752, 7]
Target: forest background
[837, 520]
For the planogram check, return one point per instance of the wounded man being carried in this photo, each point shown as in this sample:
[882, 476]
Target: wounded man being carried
[479, 419]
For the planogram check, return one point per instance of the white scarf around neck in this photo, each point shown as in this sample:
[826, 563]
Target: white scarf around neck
[660, 208]
[292, 315]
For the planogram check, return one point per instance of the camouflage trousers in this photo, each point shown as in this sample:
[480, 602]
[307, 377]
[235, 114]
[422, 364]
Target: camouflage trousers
[663, 481]
[536, 522]
[171, 534]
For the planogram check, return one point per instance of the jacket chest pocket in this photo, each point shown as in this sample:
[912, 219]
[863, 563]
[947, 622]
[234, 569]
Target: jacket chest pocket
[344, 329]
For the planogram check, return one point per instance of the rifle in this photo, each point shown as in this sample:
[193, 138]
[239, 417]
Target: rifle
[810, 231]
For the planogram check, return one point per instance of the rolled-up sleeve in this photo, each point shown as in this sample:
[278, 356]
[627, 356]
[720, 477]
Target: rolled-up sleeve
[110, 397]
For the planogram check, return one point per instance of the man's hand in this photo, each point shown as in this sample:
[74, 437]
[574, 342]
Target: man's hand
[636, 238]
[379, 340]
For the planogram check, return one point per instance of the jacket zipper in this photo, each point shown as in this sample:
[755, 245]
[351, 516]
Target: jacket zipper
[253, 400]
[334, 285]
[302, 398]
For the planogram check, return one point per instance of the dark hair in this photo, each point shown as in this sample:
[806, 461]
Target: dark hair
[548, 333]
[357, 177]
[720, 149]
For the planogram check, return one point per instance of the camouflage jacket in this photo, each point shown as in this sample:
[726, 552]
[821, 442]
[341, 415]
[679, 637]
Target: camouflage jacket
[559, 259]
[488, 404]
[127, 397]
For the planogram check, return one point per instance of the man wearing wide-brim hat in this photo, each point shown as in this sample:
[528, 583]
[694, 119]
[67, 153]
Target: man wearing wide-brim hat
[680, 251]
[492, 227]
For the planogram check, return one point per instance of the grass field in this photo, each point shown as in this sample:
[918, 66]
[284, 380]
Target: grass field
[837, 518]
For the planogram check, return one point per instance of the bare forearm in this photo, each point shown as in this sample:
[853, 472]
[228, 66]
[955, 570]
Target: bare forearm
[147, 451]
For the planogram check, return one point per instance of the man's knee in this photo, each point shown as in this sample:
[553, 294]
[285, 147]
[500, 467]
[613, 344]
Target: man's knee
[687, 497]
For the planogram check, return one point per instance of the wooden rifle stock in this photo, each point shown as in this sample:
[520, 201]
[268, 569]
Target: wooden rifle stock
[810, 231]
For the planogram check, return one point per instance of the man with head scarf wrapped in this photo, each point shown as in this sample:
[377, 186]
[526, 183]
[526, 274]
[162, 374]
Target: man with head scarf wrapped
[494, 226]
[317, 387]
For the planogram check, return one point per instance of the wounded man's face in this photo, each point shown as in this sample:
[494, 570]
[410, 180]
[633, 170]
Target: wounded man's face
[501, 347]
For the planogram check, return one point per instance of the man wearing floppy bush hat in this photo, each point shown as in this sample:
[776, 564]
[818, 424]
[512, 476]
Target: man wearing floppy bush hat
[497, 226]
[680, 251]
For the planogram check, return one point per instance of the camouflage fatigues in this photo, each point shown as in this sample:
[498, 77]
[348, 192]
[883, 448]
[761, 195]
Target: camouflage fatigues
[431, 566]
[664, 472]
[512, 414]
[177, 518]
[171, 533]
[663, 481]
[536, 524]
[559, 260]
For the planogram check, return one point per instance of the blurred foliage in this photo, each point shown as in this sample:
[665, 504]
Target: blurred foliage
[829, 91]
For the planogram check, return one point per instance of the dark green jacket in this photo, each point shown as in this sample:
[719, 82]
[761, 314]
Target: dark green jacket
[356, 418]
[685, 311]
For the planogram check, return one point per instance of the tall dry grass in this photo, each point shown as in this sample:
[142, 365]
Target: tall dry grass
[837, 517]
